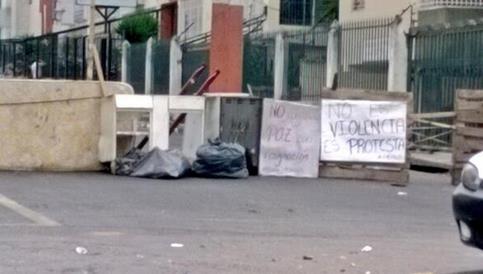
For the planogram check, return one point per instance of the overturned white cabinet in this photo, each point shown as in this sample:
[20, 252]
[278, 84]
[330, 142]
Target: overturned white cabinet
[194, 127]
[127, 119]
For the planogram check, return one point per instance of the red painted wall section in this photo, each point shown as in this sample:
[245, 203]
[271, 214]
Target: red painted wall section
[47, 11]
[226, 50]
[169, 15]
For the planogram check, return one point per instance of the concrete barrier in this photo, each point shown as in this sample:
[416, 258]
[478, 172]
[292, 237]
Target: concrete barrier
[51, 125]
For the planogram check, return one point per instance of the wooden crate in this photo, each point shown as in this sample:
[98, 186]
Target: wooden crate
[396, 174]
[468, 136]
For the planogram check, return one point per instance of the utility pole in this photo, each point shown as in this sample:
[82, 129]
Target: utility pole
[92, 30]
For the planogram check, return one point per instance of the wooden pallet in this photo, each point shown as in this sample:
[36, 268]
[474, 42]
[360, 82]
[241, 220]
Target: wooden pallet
[396, 174]
[468, 136]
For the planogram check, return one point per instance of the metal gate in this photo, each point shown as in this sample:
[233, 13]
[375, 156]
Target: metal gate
[307, 64]
[443, 60]
[364, 54]
[258, 62]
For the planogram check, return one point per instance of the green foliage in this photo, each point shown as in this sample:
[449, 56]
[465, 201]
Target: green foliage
[138, 28]
[326, 10]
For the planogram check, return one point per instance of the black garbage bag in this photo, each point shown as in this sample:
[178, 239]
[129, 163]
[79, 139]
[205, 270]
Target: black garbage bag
[156, 164]
[221, 160]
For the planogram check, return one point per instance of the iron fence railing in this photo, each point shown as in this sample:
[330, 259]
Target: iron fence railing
[364, 54]
[443, 60]
[430, 4]
[62, 55]
[307, 64]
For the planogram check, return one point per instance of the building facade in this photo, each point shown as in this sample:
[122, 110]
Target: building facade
[19, 18]
[425, 11]
[191, 17]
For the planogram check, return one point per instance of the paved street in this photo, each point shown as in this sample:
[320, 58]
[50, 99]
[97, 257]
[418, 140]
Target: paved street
[261, 225]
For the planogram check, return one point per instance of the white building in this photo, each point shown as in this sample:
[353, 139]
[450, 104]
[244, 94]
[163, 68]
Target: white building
[19, 18]
[33, 17]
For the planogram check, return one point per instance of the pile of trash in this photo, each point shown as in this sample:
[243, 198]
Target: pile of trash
[213, 160]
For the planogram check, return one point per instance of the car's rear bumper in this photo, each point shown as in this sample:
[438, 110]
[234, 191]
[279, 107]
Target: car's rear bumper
[468, 212]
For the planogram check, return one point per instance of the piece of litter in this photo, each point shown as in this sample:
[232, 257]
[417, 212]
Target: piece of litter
[342, 257]
[366, 249]
[139, 256]
[81, 250]
[368, 272]
[402, 193]
[308, 258]
[353, 264]
[177, 245]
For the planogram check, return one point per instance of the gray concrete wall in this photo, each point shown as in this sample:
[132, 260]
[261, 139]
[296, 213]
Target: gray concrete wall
[51, 125]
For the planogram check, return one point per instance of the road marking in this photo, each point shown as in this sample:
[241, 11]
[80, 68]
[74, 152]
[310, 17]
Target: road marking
[33, 216]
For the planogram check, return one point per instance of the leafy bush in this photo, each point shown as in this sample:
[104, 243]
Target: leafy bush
[138, 28]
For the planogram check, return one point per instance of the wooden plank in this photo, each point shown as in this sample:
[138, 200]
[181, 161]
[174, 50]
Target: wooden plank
[463, 157]
[467, 143]
[461, 104]
[369, 95]
[471, 94]
[398, 177]
[436, 124]
[433, 115]
[443, 160]
[469, 131]
[455, 176]
[470, 116]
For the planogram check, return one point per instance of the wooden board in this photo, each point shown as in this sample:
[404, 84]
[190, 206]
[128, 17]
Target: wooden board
[396, 174]
[468, 136]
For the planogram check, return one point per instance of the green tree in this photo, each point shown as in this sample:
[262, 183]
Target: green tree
[326, 10]
[138, 28]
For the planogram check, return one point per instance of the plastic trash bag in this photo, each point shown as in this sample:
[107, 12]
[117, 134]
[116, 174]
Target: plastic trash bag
[221, 160]
[156, 164]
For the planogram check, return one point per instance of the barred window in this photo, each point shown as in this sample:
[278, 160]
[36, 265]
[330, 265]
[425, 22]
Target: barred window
[296, 12]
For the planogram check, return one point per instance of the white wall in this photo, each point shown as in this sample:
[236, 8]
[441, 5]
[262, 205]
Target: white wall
[372, 9]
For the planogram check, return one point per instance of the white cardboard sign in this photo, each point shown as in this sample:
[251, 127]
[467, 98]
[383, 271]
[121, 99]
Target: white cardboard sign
[290, 140]
[111, 3]
[363, 131]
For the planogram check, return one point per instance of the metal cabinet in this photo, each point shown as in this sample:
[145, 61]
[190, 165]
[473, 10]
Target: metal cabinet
[236, 118]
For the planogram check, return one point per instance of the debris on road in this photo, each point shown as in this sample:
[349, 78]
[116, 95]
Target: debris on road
[177, 245]
[221, 160]
[366, 248]
[401, 193]
[81, 250]
[156, 164]
[139, 256]
[343, 257]
[308, 258]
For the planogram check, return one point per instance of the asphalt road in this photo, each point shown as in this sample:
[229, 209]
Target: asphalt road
[260, 225]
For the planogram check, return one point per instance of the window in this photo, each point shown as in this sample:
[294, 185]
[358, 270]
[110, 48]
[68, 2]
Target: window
[296, 12]
[358, 4]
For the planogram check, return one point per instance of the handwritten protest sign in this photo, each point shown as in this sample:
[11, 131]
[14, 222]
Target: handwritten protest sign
[290, 139]
[363, 131]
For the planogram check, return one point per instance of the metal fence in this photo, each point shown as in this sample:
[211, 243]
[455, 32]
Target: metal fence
[195, 56]
[62, 55]
[136, 67]
[307, 64]
[364, 54]
[442, 61]
[258, 64]
[161, 51]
